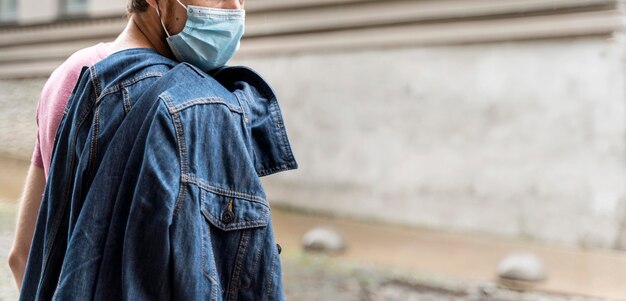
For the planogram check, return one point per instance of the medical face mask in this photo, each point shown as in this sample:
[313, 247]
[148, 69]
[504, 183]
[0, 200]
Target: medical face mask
[210, 38]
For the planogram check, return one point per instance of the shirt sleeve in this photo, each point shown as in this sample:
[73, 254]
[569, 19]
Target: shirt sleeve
[36, 158]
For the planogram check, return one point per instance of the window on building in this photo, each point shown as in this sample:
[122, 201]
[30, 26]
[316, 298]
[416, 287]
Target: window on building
[8, 10]
[73, 7]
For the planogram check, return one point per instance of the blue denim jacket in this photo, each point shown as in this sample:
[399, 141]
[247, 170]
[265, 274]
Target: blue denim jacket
[154, 190]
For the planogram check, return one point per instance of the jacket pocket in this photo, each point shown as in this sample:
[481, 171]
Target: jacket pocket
[234, 211]
[233, 240]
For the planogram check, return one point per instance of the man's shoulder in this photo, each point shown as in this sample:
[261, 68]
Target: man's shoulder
[84, 57]
[226, 85]
[188, 85]
[64, 77]
[128, 67]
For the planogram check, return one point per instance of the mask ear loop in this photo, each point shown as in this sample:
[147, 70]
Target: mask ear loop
[161, 19]
[184, 6]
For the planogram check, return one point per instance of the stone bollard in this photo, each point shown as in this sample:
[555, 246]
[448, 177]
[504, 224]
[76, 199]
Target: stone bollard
[521, 266]
[323, 239]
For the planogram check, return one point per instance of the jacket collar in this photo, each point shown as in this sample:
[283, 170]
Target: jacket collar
[271, 149]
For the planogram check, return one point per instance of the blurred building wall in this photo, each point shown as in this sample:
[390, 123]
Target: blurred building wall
[503, 117]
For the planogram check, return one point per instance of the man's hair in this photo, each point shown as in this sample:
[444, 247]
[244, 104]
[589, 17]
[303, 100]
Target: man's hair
[136, 6]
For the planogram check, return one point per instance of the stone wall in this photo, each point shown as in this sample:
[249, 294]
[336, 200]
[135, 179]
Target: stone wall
[521, 139]
[18, 127]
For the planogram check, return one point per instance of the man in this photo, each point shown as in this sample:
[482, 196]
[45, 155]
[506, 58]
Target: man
[154, 190]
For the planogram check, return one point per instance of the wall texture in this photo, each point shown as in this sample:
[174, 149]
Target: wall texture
[18, 102]
[521, 139]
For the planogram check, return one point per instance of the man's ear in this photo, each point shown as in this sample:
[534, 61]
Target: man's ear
[152, 3]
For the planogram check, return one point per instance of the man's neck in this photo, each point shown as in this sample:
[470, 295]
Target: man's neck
[142, 31]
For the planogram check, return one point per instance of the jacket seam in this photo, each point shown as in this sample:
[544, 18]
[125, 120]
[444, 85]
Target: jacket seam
[126, 83]
[93, 149]
[242, 249]
[199, 101]
[272, 170]
[280, 127]
[54, 231]
[241, 105]
[95, 81]
[225, 192]
[270, 288]
[182, 153]
[126, 100]
[259, 222]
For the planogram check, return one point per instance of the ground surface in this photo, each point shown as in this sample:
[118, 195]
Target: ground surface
[320, 277]
[314, 276]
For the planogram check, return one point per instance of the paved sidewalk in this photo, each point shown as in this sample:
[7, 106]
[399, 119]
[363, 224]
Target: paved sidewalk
[597, 273]
[385, 262]
[314, 276]
[311, 277]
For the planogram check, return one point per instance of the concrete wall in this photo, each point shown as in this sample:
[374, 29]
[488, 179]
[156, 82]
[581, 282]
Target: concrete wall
[521, 139]
[41, 11]
[18, 127]
[98, 8]
[36, 11]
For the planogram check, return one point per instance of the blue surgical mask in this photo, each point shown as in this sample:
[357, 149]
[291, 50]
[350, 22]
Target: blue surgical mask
[210, 38]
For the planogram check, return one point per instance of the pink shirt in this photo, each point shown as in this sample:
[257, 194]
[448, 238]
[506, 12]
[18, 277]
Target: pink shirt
[54, 97]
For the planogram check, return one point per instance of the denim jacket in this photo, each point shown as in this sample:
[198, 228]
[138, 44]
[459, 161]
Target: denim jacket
[154, 190]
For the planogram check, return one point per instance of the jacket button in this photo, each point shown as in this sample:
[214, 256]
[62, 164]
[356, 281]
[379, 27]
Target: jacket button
[279, 248]
[227, 216]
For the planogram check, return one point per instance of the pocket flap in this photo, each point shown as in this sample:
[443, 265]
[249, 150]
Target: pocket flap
[232, 213]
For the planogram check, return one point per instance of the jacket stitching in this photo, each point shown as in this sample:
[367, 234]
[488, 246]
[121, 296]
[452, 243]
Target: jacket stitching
[94, 79]
[226, 192]
[284, 143]
[182, 152]
[270, 288]
[205, 269]
[259, 222]
[255, 263]
[204, 263]
[126, 83]
[93, 149]
[241, 105]
[126, 98]
[233, 286]
[200, 101]
[268, 171]
[246, 125]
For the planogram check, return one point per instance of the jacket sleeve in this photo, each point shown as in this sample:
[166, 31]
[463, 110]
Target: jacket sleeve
[153, 178]
[49, 242]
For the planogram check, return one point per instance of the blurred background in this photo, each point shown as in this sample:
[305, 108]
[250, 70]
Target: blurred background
[459, 143]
